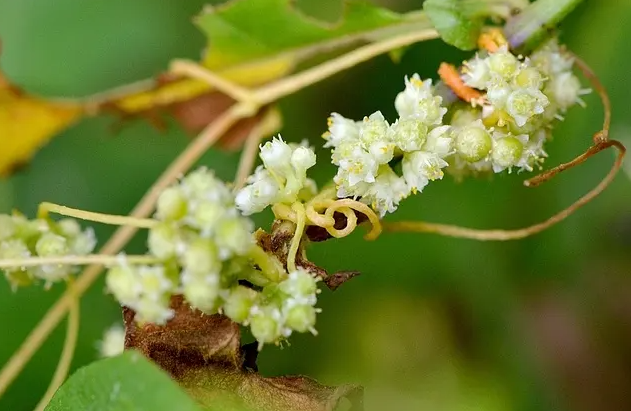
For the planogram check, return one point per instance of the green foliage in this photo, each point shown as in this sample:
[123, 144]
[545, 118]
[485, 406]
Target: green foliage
[128, 382]
[243, 30]
[456, 23]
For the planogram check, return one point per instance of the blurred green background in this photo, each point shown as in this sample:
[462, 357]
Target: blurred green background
[433, 323]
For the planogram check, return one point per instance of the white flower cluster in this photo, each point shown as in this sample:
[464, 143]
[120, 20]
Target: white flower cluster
[22, 238]
[523, 96]
[281, 179]
[204, 244]
[504, 129]
[201, 237]
[284, 308]
[363, 150]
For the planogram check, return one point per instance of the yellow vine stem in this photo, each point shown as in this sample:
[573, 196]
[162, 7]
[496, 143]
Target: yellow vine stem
[45, 208]
[120, 238]
[270, 122]
[180, 165]
[101, 259]
[351, 223]
[67, 353]
[376, 228]
[299, 209]
[601, 142]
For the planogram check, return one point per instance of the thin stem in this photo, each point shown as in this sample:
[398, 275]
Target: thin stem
[362, 208]
[504, 235]
[195, 70]
[46, 207]
[291, 84]
[269, 124]
[78, 260]
[67, 353]
[120, 238]
[299, 209]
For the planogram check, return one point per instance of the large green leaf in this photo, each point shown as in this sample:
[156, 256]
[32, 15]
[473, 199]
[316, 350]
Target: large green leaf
[246, 30]
[128, 382]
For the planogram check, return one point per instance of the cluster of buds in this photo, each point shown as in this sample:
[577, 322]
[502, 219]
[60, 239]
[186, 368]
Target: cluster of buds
[281, 179]
[21, 238]
[207, 253]
[504, 127]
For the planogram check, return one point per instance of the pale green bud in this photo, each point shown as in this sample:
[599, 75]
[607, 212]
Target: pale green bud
[301, 318]
[235, 235]
[150, 310]
[172, 204]
[123, 282]
[299, 283]
[201, 256]
[265, 326]
[7, 227]
[473, 143]
[16, 249]
[202, 292]
[207, 215]
[239, 302]
[51, 245]
[507, 151]
[162, 241]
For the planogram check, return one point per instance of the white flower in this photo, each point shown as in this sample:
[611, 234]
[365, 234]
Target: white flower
[153, 311]
[409, 134]
[525, 103]
[565, 90]
[419, 101]
[280, 180]
[276, 156]
[439, 141]
[476, 73]
[201, 291]
[113, 342]
[341, 130]
[124, 283]
[358, 166]
[373, 128]
[421, 167]
[386, 192]
[260, 192]
[503, 63]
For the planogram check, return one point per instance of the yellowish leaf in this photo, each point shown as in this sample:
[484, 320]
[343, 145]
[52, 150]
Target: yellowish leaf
[27, 123]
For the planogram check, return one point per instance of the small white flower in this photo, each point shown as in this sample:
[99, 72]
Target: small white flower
[386, 192]
[419, 101]
[341, 130]
[276, 156]
[153, 311]
[525, 103]
[421, 167]
[409, 134]
[476, 73]
[113, 342]
[565, 90]
[373, 129]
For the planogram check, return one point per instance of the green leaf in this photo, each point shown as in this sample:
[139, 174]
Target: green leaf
[128, 382]
[456, 23]
[244, 30]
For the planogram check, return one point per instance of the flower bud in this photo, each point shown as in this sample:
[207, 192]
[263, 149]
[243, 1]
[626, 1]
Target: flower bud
[507, 151]
[201, 256]
[51, 245]
[473, 142]
[265, 325]
[162, 241]
[301, 318]
[172, 204]
[123, 282]
[239, 302]
[202, 292]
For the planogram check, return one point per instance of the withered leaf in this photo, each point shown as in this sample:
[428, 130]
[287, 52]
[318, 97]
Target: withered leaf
[204, 354]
